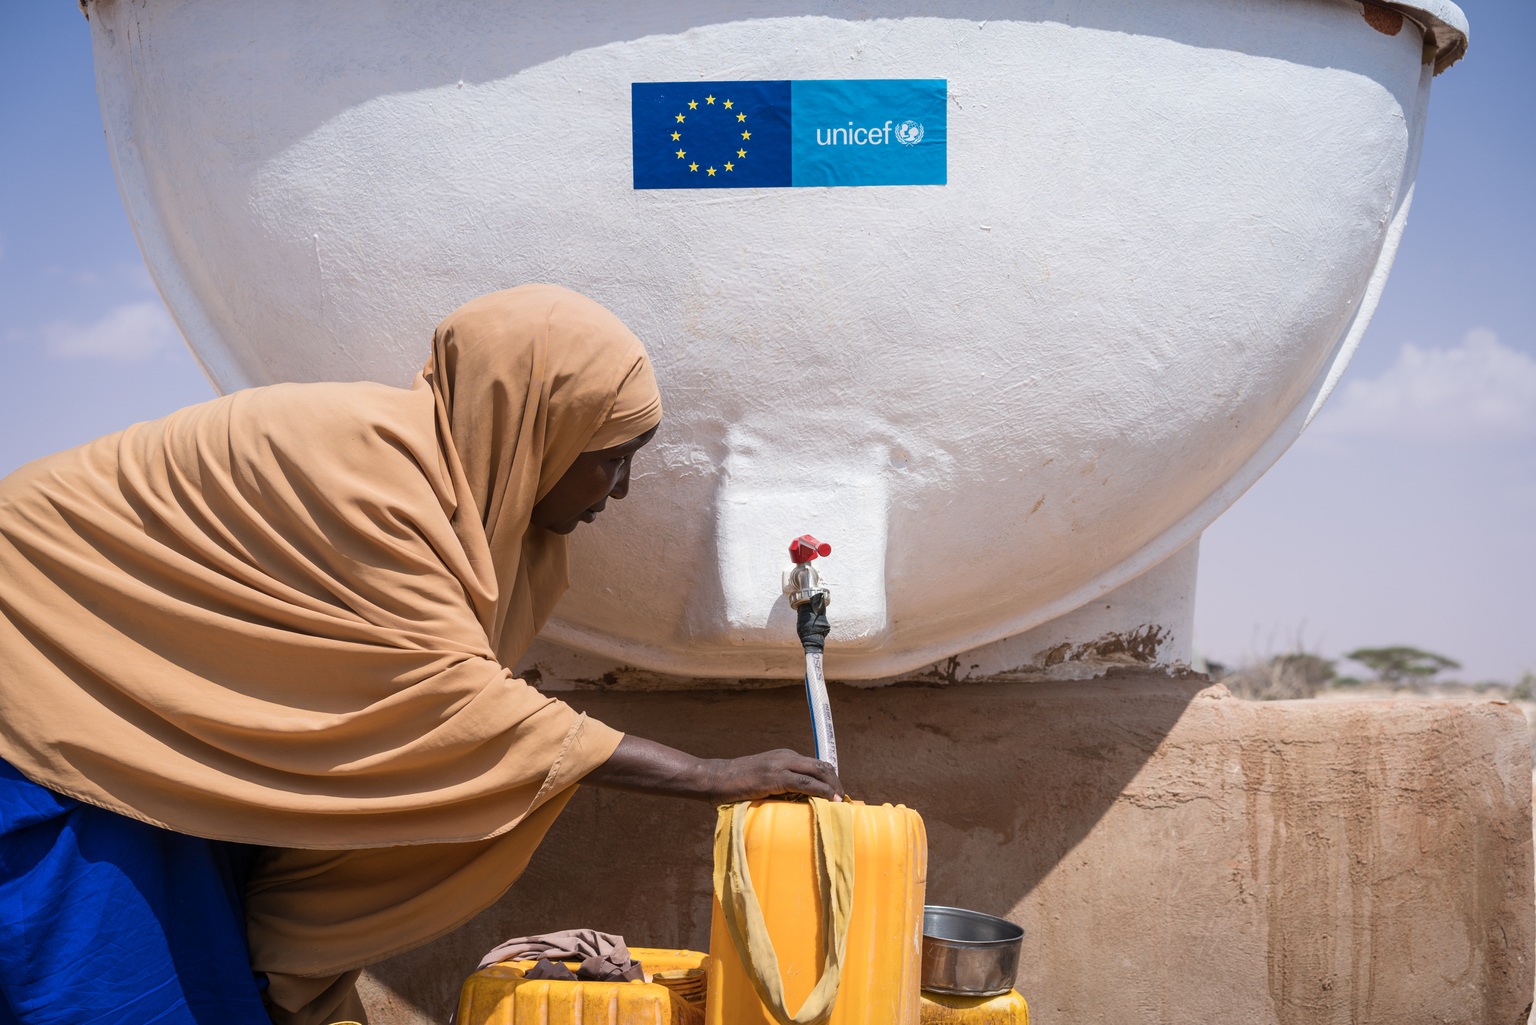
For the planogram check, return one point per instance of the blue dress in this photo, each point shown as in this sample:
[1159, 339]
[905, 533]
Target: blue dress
[105, 920]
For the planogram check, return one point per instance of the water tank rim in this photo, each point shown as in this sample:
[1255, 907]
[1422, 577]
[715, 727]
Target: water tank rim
[1445, 28]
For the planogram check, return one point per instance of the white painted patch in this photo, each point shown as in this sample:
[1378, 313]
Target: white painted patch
[757, 503]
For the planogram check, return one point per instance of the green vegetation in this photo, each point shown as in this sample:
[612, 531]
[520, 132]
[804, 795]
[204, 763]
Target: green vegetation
[1525, 690]
[1401, 668]
[1402, 664]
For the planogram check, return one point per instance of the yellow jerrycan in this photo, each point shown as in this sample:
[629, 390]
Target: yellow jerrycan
[818, 914]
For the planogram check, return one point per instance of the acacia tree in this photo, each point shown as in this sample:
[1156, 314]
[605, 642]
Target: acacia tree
[1402, 664]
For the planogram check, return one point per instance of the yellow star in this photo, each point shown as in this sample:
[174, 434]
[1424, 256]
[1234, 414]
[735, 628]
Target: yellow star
[679, 117]
[741, 117]
[727, 104]
[693, 167]
[711, 171]
[746, 135]
[693, 104]
[729, 165]
[709, 99]
[679, 154]
[741, 153]
[676, 136]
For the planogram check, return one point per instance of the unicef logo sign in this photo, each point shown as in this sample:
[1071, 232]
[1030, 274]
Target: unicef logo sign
[855, 132]
[908, 133]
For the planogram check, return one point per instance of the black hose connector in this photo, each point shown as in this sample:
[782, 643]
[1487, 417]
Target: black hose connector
[812, 624]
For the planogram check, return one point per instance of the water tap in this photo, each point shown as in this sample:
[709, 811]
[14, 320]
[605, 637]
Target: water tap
[807, 595]
[803, 582]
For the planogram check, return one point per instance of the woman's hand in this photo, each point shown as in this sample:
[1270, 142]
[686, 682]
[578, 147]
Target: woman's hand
[772, 772]
[646, 767]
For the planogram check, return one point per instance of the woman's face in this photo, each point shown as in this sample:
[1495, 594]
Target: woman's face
[586, 487]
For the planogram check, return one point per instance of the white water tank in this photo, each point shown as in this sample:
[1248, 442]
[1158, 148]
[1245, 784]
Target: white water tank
[1163, 229]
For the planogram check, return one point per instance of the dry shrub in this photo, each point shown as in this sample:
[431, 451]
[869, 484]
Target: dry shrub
[1282, 678]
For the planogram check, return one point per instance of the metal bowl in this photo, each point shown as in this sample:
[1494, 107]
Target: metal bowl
[969, 953]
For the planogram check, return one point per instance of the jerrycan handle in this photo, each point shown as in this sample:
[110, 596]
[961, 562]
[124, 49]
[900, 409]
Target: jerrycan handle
[832, 841]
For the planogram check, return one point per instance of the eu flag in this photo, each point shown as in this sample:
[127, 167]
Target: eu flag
[711, 135]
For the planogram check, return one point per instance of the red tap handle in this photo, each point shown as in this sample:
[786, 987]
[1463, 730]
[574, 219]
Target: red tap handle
[805, 548]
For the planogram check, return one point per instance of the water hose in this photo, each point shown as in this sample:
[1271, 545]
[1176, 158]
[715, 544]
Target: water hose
[813, 627]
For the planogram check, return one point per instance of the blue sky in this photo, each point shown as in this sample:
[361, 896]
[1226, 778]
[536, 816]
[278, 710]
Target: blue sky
[1407, 515]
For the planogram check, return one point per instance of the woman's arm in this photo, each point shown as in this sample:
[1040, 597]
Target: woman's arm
[646, 767]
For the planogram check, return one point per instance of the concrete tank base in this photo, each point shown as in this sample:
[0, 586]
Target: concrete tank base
[1148, 622]
[1174, 853]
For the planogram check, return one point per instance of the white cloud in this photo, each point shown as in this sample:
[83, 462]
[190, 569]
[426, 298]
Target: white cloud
[133, 331]
[1479, 391]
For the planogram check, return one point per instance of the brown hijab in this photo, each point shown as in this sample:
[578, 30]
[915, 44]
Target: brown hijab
[548, 374]
[285, 616]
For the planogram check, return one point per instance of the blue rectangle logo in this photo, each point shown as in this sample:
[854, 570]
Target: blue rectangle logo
[869, 132]
[780, 134]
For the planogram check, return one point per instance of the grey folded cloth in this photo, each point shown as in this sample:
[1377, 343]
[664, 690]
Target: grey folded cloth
[547, 969]
[603, 956]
